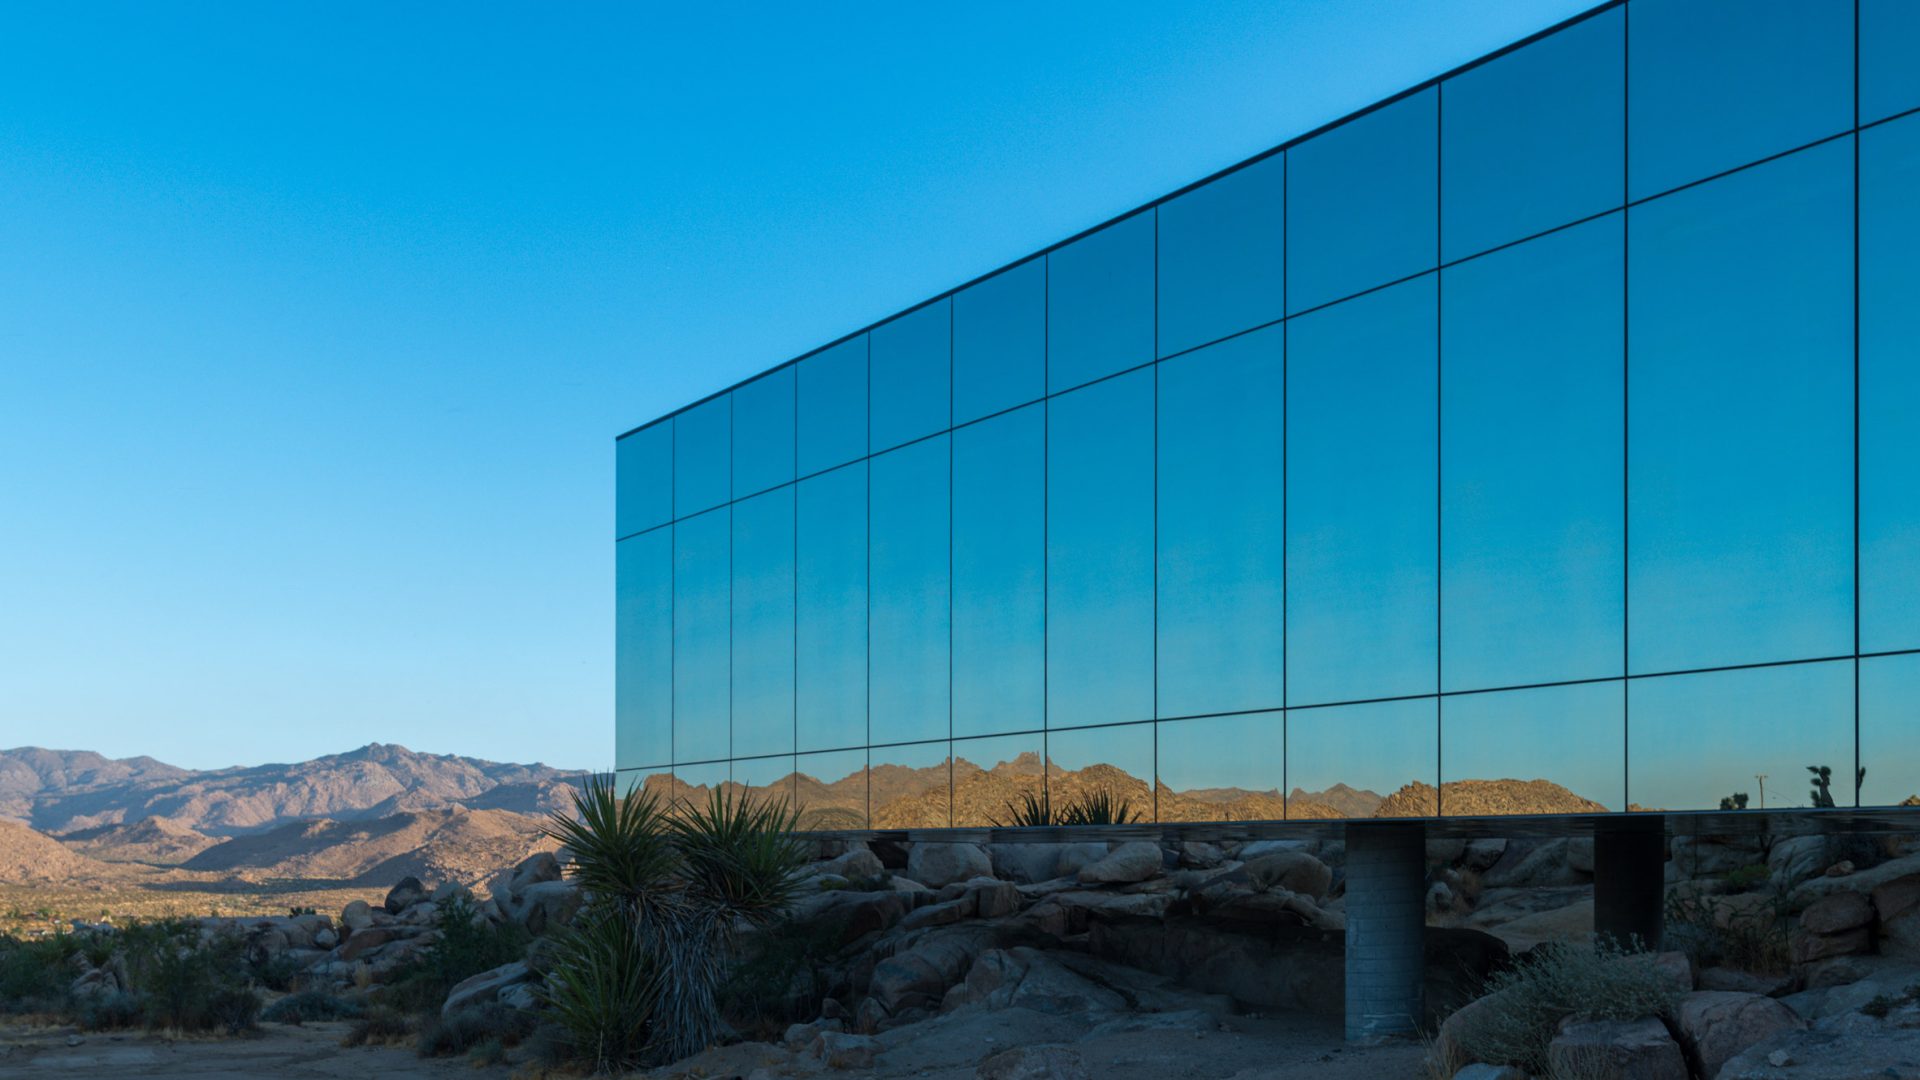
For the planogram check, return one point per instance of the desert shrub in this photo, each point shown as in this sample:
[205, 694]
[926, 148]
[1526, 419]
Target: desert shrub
[467, 946]
[34, 973]
[1879, 1005]
[110, 1011]
[444, 1036]
[1556, 981]
[234, 1009]
[489, 1053]
[1746, 878]
[379, 1026]
[667, 890]
[311, 1005]
[1751, 939]
[780, 974]
[276, 972]
[191, 985]
[1033, 810]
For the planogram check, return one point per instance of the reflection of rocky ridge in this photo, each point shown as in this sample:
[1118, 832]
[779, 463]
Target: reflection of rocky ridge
[1338, 800]
[1476, 798]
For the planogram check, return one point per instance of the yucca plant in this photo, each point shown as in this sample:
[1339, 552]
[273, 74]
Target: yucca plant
[1032, 811]
[1100, 807]
[666, 887]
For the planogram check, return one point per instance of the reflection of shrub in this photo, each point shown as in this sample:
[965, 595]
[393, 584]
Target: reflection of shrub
[1746, 878]
[1559, 980]
[1715, 934]
[1097, 807]
[311, 1005]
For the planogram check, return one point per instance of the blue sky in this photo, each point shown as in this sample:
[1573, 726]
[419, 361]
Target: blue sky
[317, 321]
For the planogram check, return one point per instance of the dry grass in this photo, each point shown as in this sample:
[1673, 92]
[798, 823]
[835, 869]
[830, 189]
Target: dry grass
[32, 910]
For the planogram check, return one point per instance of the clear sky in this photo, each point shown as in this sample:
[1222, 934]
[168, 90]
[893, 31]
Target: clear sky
[317, 321]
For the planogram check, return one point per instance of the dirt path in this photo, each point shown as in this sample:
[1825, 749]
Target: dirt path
[309, 1052]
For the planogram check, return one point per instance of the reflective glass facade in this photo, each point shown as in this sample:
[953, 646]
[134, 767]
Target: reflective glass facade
[1543, 440]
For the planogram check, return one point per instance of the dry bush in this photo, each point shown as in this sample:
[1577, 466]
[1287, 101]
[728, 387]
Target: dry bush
[1558, 980]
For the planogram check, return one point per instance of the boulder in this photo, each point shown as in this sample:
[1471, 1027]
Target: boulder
[1479, 855]
[544, 866]
[1617, 1050]
[1897, 903]
[854, 863]
[1529, 864]
[838, 1050]
[920, 975]
[1445, 850]
[992, 899]
[945, 913]
[1716, 1025]
[855, 913]
[1135, 860]
[1294, 871]
[546, 906]
[1836, 913]
[404, 895]
[1200, 855]
[1044, 1062]
[365, 941]
[1812, 948]
[1580, 854]
[938, 864]
[1480, 1070]
[1715, 856]
[357, 915]
[1797, 858]
[485, 987]
[893, 854]
[1030, 863]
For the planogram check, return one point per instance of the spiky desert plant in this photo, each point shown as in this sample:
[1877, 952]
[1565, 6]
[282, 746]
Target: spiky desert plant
[1032, 811]
[603, 988]
[1101, 806]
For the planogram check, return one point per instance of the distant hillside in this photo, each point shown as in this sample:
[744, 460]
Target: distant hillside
[155, 841]
[1476, 798]
[28, 856]
[453, 844]
[73, 791]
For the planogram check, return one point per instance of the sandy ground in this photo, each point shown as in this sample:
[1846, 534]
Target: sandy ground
[308, 1052]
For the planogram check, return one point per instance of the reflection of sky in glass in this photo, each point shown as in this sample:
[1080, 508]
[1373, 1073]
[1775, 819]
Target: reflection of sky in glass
[999, 566]
[1221, 476]
[1890, 729]
[763, 433]
[1741, 417]
[846, 771]
[1361, 445]
[1022, 753]
[909, 563]
[1128, 748]
[912, 375]
[644, 467]
[1532, 556]
[1244, 752]
[702, 456]
[1695, 739]
[1534, 139]
[1360, 203]
[1000, 342]
[763, 623]
[1890, 386]
[1222, 257]
[1100, 553]
[1889, 40]
[833, 406]
[700, 645]
[831, 560]
[1777, 74]
[1100, 303]
[1379, 747]
[765, 778]
[643, 647]
[1573, 736]
[702, 778]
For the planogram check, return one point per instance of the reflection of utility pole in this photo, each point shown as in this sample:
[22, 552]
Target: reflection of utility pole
[1762, 777]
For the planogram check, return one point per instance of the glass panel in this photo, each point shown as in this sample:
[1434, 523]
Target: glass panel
[763, 433]
[1100, 303]
[1000, 342]
[999, 574]
[833, 406]
[763, 624]
[1889, 732]
[1554, 750]
[702, 456]
[1717, 85]
[1889, 41]
[1222, 471]
[701, 649]
[1740, 403]
[1223, 768]
[1107, 772]
[1362, 600]
[763, 780]
[1222, 256]
[693, 785]
[831, 603]
[658, 780]
[1693, 740]
[830, 790]
[643, 467]
[1533, 551]
[1534, 139]
[912, 375]
[643, 633]
[1100, 553]
[1890, 387]
[1361, 207]
[911, 786]
[911, 565]
[991, 777]
[1363, 761]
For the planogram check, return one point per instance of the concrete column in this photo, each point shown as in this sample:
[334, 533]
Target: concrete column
[1629, 879]
[1386, 928]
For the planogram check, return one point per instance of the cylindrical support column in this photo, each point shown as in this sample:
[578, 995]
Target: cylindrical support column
[1386, 928]
[1630, 880]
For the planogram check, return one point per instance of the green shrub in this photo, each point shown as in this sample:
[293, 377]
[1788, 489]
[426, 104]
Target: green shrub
[379, 1026]
[1746, 878]
[34, 974]
[1879, 1006]
[444, 1036]
[110, 1012]
[1556, 981]
[780, 974]
[311, 1005]
[1752, 939]
[467, 946]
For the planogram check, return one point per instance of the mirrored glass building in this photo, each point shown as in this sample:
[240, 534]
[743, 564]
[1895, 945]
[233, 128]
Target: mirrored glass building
[1542, 440]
